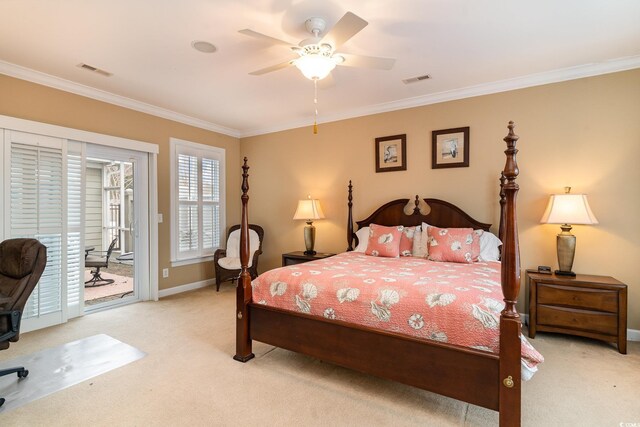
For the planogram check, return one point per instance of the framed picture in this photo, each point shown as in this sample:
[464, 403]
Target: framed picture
[450, 148]
[391, 153]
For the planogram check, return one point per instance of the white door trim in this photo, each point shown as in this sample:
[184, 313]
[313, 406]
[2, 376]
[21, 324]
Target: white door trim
[151, 229]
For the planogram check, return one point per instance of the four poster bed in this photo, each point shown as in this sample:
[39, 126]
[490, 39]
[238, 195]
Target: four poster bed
[484, 375]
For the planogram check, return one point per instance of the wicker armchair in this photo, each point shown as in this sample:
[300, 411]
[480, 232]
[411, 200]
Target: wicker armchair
[227, 266]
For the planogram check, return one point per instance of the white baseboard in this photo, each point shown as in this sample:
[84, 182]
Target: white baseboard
[184, 288]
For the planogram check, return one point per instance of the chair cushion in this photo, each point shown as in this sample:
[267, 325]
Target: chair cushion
[232, 261]
[95, 261]
[18, 257]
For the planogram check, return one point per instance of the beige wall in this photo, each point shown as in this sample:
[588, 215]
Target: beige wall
[30, 101]
[582, 133]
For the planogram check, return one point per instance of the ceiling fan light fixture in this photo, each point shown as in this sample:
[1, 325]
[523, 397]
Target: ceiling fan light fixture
[315, 66]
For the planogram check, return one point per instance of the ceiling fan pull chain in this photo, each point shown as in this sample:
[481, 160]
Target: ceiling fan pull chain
[315, 104]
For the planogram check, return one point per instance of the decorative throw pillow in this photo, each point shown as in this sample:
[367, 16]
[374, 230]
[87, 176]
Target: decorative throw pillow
[475, 246]
[406, 240]
[453, 244]
[384, 241]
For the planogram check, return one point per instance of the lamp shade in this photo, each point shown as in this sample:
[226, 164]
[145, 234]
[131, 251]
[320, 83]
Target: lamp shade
[568, 209]
[315, 66]
[308, 210]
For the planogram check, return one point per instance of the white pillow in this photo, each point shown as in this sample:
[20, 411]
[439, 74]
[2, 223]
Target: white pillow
[489, 247]
[417, 239]
[363, 239]
[420, 246]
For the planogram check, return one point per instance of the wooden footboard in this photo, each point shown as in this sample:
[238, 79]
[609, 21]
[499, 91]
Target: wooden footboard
[476, 377]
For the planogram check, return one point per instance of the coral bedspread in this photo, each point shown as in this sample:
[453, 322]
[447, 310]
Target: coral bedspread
[448, 302]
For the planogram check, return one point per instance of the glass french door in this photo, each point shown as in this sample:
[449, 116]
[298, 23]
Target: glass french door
[44, 186]
[116, 187]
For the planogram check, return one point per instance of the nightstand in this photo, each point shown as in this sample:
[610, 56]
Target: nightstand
[585, 305]
[299, 257]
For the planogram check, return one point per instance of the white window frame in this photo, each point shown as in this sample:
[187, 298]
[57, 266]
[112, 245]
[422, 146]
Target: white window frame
[179, 146]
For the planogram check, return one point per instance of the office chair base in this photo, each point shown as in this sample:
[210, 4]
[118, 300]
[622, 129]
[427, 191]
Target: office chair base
[20, 370]
[22, 373]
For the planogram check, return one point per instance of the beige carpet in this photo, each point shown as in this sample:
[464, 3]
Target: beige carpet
[189, 378]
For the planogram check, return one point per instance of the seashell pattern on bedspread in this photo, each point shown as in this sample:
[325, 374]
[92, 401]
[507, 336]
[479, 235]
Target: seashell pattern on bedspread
[447, 302]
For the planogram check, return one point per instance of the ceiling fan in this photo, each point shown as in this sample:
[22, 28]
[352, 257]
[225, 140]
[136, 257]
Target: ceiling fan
[317, 55]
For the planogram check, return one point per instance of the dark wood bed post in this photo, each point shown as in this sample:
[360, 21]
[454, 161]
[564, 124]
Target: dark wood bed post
[350, 219]
[243, 295]
[503, 201]
[510, 326]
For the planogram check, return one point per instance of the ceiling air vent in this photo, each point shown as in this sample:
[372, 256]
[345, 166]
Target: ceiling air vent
[95, 70]
[416, 79]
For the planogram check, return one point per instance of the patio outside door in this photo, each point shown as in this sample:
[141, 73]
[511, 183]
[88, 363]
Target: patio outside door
[115, 216]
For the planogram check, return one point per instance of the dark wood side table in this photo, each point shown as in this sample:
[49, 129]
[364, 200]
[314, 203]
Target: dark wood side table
[585, 305]
[299, 257]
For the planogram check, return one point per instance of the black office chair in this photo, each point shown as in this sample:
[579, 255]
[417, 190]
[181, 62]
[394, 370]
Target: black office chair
[97, 262]
[22, 262]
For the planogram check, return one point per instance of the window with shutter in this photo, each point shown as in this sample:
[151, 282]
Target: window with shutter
[197, 200]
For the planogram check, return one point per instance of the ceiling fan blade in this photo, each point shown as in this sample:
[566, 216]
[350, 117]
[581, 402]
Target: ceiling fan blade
[348, 26]
[263, 37]
[367, 61]
[271, 68]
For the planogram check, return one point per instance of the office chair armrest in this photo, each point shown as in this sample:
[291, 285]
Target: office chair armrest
[14, 321]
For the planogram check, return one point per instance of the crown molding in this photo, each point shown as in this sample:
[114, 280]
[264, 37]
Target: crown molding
[44, 79]
[548, 77]
[554, 76]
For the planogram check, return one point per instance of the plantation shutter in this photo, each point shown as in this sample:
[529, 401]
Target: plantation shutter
[199, 200]
[38, 210]
[188, 218]
[75, 229]
[210, 204]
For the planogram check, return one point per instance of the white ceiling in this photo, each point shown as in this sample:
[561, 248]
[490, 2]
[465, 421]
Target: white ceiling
[469, 47]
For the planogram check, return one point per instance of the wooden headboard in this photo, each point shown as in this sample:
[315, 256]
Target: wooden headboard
[441, 214]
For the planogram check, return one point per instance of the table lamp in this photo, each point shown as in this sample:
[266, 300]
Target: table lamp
[309, 210]
[566, 209]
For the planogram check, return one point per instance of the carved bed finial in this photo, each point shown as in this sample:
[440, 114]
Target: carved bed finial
[245, 181]
[511, 167]
[350, 219]
[416, 210]
[503, 201]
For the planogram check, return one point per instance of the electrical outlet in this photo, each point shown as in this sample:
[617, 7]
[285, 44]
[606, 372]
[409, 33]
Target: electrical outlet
[165, 273]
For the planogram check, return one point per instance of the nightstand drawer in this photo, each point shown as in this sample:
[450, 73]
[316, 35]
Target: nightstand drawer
[591, 321]
[593, 299]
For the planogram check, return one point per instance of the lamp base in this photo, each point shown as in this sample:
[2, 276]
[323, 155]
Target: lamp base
[565, 273]
[309, 238]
